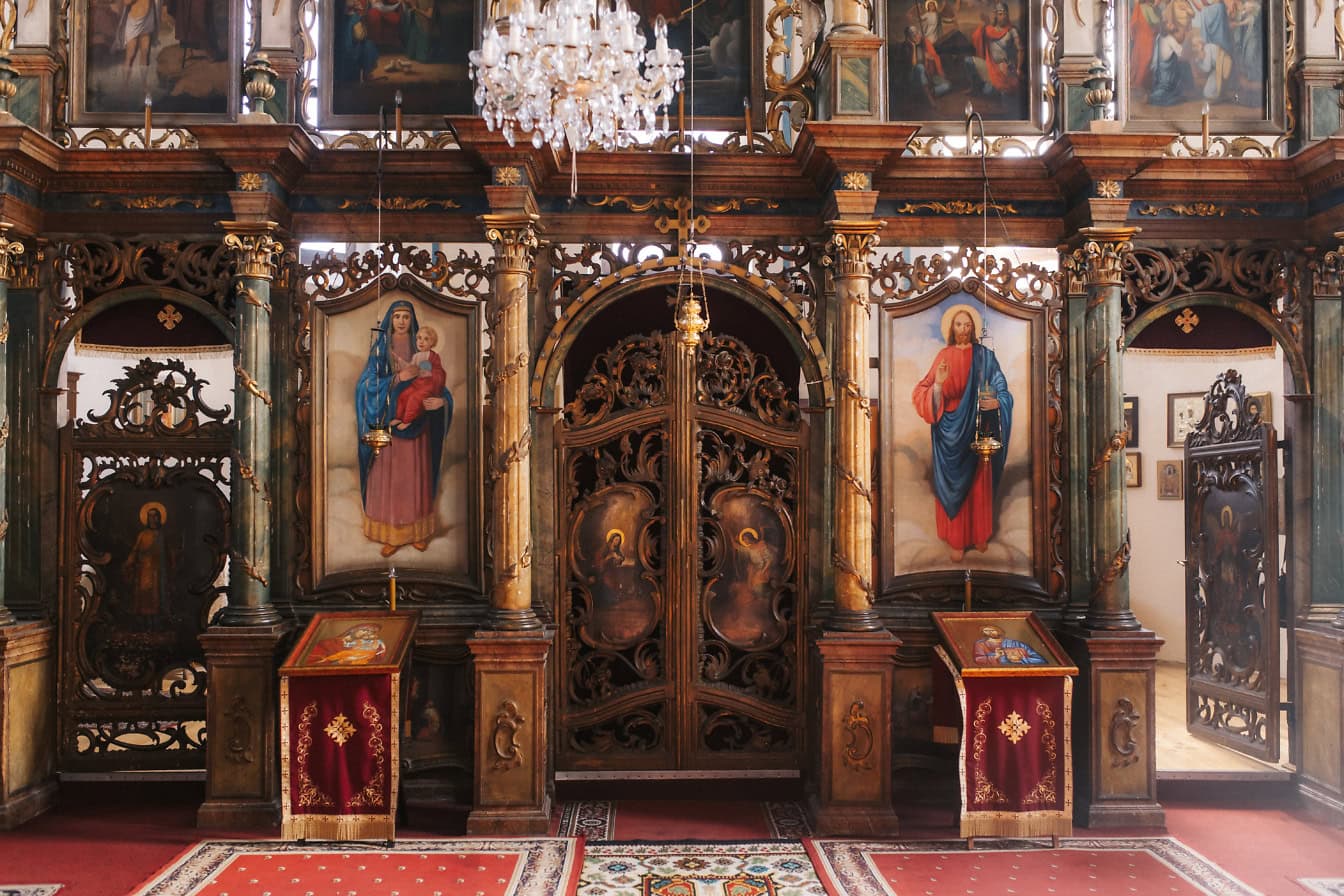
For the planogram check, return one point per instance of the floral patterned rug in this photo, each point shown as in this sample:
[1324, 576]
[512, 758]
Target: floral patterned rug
[747, 868]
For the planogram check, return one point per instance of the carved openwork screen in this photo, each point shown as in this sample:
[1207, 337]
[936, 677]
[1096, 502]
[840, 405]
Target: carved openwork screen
[146, 498]
[969, 479]
[398, 359]
[185, 62]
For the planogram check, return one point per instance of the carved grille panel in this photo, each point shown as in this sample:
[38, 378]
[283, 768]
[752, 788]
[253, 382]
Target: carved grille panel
[1232, 566]
[145, 552]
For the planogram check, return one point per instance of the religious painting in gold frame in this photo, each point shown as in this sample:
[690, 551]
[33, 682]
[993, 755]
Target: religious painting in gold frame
[1010, 537]
[1002, 643]
[356, 640]
[1133, 469]
[416, 504]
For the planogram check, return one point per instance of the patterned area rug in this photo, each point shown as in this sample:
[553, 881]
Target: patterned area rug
[1324, 886]
[760, 868]
[484, 867]
[28, 889]
[1102, 867]
[595, 821]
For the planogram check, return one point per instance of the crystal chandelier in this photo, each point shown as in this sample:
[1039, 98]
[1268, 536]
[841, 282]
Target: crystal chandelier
[574, 71]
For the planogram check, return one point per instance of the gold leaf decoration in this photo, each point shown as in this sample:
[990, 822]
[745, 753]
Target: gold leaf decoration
[956, 207]
[148, 202]
[508, 176]
[249, 181]
[1187, 320]
[397, 204]
[1108, 189]
[1199, 210]
[170, 317]
[339, 729]
[1014, 727]
[857, 180]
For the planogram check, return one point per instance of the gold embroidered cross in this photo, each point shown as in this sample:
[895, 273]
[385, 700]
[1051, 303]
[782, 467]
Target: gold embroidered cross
[339, 729]
[170, 317]
[1014, 727]
[1187, 321]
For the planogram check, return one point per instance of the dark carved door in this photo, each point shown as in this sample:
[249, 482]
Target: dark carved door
[146, 504]
[682, 476]
[1232, 563]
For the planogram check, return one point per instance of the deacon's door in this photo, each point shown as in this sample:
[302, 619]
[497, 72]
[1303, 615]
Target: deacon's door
[681, 478]
[1232, 565]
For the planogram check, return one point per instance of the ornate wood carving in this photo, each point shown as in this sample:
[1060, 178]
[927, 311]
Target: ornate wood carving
[859, 737]
[1124, 726]
[10, 251]
[466, 276]
[1232, 573]
[1153, 275]
[241, 733]
[896, 279]
[507, 751]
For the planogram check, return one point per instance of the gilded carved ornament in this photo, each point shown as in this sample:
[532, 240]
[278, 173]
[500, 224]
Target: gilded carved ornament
[851, 246]
[508, 176]
[858, 729]
[957, 207]
[857, 180]
[1199, 210]
[255, 253]
[10, 250]
[897, 279]
[249, 181]
[1099, 261]
[145, 203]
[515, 240]
[1108, 189]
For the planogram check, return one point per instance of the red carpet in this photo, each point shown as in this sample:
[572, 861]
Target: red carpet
[484, 867]
[1080, 867]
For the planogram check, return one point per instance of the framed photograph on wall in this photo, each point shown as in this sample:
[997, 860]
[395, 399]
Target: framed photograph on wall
[943, 53]
[1131, 411]
[182, 56]
[1184, 411]
[1170, 486]
[1186, 55]
[1133, 474]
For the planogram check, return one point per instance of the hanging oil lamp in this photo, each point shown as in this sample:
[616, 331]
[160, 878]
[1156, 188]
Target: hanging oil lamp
[691, 300]
[987, 425]
[379, 436]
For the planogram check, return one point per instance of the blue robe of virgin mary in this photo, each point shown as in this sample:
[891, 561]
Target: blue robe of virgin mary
[954, 463]
[376, 402]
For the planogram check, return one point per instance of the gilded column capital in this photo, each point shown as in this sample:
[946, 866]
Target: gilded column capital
[1099, 261]
[255, 249]
[10, 250]
[851, 244]
[515, 238]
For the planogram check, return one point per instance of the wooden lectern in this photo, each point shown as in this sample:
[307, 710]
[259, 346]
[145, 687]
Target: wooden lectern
[1014, 684]
[340, 724]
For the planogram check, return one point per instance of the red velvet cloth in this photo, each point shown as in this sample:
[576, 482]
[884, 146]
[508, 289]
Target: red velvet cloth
[341, 730]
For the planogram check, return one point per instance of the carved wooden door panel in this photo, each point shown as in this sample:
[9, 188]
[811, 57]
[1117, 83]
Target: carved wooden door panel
[1232, 565]
[682, 477]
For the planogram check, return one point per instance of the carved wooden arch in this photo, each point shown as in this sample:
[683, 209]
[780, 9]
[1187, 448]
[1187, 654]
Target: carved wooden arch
[757, 291]
[1292, 352]
[56, 347]
[913, 593]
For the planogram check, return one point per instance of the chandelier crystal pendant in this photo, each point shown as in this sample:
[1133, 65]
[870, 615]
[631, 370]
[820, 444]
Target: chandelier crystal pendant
[574, 72]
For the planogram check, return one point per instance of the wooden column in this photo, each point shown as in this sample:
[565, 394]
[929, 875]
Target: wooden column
[1115, 732]
[10, 250]
[255, 250]
[510, 472]
[1327, 442]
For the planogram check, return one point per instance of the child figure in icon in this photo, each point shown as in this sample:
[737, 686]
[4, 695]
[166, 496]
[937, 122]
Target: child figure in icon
[429, 379]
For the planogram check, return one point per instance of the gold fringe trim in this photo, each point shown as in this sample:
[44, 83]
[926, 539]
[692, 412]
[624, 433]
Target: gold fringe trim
[1263, 351]
[182, 352]
[1052, 823]
[390, 533]
[339, 827]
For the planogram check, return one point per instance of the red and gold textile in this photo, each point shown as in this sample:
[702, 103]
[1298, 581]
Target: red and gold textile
[1016, 763]
[339, 765]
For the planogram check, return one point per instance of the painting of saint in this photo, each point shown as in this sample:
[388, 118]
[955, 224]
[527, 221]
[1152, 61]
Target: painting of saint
[613, 595]
[963, 395]
[942, 53]
[379, 48]
[993, 649]
[405, 378]
[147, 568]
[397, 363]
[958, 375]
[176, 53]
[744, 602]
[1184, 54]
[359, 645]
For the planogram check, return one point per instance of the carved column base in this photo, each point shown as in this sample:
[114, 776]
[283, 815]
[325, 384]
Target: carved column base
[27, 721]
[1319, 667]
[1115, 728]
[525, 620]
[850, 790]
[512, 785]
[242, 765]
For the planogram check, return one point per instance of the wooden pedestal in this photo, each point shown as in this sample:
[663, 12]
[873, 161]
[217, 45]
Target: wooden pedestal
[851, 790]
[1320, 719]
[242, 767]
[1115, 728]
[27, 721]
[511, 791]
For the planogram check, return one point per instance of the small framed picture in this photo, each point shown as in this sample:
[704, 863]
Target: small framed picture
[1003, 642]
[1170, 479]
[1132, 419]
[1133, 466]
[1265, 401]
[1184, 411]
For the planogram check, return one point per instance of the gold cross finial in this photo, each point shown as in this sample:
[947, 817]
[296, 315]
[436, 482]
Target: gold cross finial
[1187, 320]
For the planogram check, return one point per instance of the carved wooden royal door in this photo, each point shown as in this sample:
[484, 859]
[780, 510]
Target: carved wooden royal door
[144, 547]
[1232, 566]
[682, 477]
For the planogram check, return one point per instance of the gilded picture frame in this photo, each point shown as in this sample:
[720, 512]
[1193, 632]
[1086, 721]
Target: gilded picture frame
[1000, 643]
[913, 556]
[960, 52]
[185, 56]
[1170, 479]
[1131, 415]
[358, 501]
[1183, 54]
[1133, 469]
[353, 641]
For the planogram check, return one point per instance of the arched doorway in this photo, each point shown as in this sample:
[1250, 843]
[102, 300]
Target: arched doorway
[683, 487]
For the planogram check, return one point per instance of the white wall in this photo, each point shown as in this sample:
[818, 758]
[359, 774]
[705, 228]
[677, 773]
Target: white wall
[1157, 528]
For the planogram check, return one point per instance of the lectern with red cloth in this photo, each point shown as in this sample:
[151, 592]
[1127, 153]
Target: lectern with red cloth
[1014, 685]
[340, 696]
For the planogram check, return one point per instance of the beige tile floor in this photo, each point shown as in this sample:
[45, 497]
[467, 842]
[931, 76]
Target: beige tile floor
[1181, 756]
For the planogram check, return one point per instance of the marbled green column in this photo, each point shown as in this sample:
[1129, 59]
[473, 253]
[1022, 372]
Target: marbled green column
[255, 250]
[1327, 442]
[1080, 548]
[10, 250]
[515, 239]
[1098, 262]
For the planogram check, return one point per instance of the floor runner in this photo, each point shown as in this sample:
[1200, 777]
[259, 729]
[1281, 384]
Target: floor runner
[748, 868]
[28, 889]
[458, 867]
[1147, 866]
